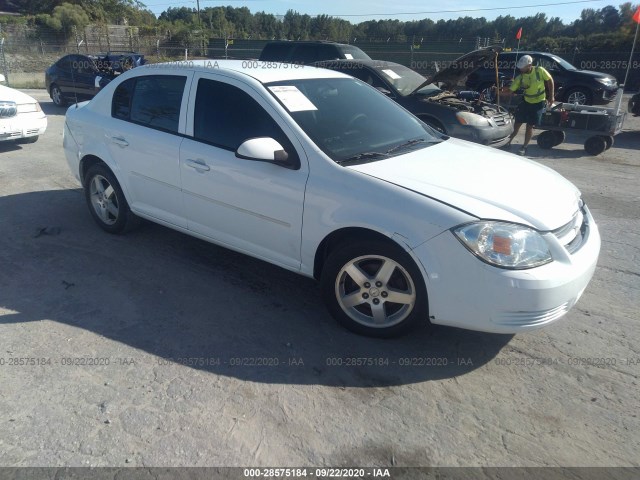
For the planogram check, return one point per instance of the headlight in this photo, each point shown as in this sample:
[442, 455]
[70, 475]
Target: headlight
[505, 245]
[606, 81]
[468, 118]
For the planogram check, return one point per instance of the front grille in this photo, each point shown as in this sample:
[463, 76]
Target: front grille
[8, 109]
[573, 234]
[501, 120]
[540, 317]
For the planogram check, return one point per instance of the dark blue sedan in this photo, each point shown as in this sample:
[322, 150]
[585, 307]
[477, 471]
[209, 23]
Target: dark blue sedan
[76, 77]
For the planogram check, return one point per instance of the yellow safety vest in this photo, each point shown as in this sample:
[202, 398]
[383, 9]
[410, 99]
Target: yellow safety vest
[533, 84]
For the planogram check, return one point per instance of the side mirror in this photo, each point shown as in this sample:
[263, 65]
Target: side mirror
[263, 149]
[2, 79]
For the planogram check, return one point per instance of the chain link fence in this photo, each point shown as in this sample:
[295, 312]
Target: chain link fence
[26, 52]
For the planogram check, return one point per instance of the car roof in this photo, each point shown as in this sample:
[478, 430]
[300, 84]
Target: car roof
[306, 42]
[264, 72]
[371, 63]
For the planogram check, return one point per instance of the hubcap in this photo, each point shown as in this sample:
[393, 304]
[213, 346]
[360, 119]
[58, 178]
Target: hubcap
[56, 96]
[387, 303]
[577, 97]
[104, 199]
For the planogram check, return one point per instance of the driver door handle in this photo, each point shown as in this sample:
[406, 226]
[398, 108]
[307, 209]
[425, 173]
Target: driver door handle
[199, 165]
[120, 141]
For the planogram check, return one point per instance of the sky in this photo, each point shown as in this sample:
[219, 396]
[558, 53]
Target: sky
[357, 11]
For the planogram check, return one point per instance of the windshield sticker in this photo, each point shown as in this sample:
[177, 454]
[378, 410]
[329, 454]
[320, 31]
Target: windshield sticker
[348, 56]
[292, 98]
[392, 74]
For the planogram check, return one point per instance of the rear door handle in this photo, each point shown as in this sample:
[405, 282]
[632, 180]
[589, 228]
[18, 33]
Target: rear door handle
[199, 165]
[120, 141]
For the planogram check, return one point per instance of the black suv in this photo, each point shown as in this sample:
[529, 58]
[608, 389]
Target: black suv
[78, 77]
[583, 87]
[307, 53]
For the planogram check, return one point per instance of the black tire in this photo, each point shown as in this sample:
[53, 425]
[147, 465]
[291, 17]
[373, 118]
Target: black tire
[559, 137]
[28, 140]
[108, 206]
[546, 139]
[608, 139]
[595, 145]
[365, 260]
[578, 95]
[57, 97]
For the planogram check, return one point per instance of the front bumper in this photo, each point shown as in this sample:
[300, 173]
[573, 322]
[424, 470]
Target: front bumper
[467, 293]
[23, 125]
[604, 95]
[489, 135]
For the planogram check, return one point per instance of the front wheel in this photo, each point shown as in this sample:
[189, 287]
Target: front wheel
[374, 289]
[56, 96]
[578, 96]
[106, 200]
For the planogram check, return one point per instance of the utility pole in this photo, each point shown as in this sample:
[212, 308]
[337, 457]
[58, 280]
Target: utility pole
[201, 42]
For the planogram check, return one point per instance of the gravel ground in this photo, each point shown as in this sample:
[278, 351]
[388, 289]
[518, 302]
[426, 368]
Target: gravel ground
[157, 349]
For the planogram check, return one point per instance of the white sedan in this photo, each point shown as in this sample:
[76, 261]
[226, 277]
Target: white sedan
[321, 174]
[21, 117]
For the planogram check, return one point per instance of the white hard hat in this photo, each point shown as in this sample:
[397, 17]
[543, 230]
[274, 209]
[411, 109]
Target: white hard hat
[524, 61]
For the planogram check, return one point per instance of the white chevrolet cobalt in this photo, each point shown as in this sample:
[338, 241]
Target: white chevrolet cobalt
[321, 174]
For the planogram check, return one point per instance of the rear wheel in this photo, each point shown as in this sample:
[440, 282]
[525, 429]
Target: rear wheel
[374, 289]
[546, 139]
[595, 145]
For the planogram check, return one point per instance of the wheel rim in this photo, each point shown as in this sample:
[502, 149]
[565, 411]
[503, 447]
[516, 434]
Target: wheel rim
[577, 97]
[104, 200]
[375, 291]
[57, 96]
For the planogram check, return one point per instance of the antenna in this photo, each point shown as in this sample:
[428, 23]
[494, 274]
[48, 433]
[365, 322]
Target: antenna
[73, 81]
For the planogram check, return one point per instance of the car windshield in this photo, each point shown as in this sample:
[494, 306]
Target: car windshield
[403, 79]
[351, 121]
[354, 53]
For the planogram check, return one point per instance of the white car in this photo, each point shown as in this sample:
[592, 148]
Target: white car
[321, 174]
[21, 117]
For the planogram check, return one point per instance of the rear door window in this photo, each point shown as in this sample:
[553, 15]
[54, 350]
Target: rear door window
[152, 101]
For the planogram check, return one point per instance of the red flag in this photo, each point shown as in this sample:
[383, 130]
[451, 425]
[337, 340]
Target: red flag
[636, 16]
[519, 34]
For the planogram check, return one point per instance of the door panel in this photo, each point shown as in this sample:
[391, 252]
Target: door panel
[148, 150]
[253, 206]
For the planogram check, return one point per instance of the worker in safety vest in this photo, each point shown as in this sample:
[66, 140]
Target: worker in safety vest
[538, 88]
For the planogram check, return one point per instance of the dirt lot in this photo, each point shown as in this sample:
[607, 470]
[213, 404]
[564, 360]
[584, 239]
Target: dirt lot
[156, 349]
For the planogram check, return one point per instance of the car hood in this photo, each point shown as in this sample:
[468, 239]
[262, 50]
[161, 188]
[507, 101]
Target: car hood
[484, 182]
[593, 74]
[12, 95]
[463, 66]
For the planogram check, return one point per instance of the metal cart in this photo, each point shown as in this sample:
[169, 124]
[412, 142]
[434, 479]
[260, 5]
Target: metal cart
[598, 124]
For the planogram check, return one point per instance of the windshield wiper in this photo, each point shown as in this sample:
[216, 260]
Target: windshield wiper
[362, 156]
[410, 143]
